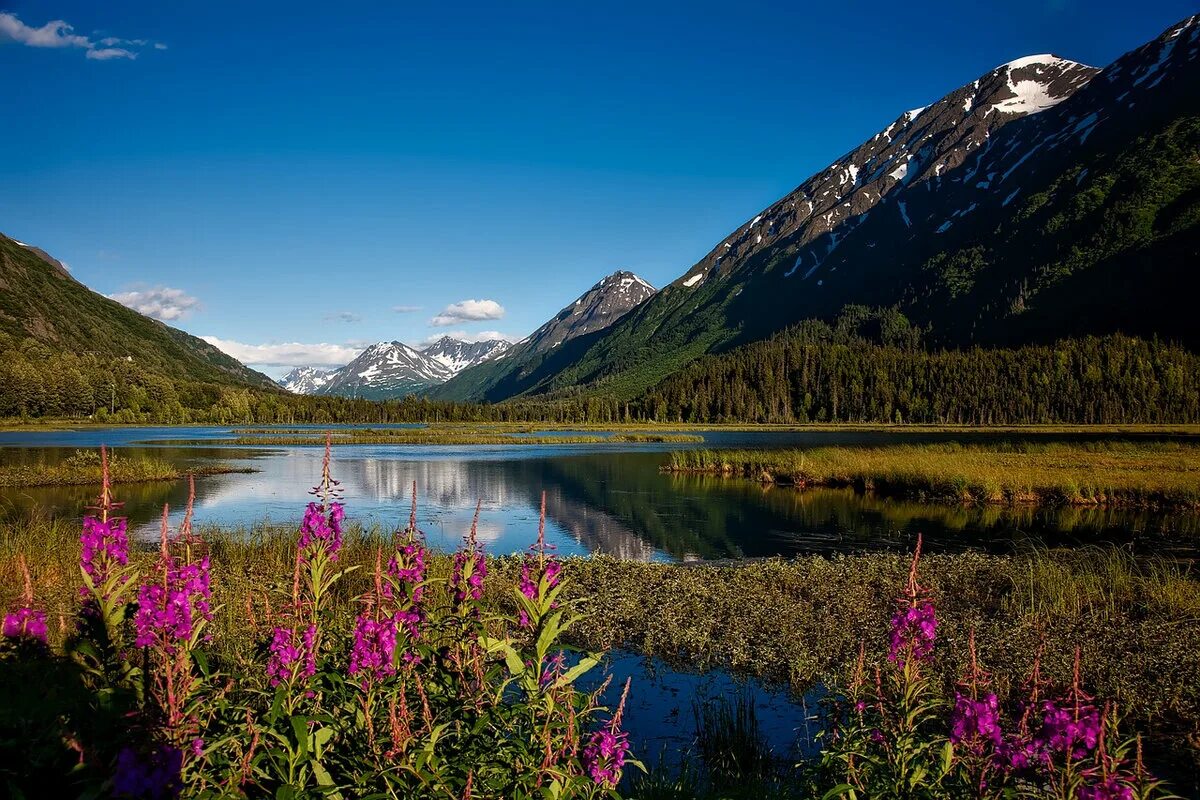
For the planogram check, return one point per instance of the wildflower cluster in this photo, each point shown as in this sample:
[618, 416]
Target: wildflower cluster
[26, 623]
[321, 530]
[901, 732]
[607, 749]
[539, 570]
[292, 655]
[169, 610]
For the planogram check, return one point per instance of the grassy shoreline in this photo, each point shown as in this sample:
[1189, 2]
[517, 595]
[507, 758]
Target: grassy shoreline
[1179, 429]
[435, 436]
[796, 622]
[83, 469]
[1144, 475]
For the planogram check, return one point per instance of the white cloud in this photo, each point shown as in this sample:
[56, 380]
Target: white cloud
[343, 316]
[468, 311]
[286, 354]
[481, 336]
[160, 302]
[108, 53]
[405, 309]
[58, 33]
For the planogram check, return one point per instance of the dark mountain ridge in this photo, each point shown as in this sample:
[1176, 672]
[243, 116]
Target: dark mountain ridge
[1045, 199]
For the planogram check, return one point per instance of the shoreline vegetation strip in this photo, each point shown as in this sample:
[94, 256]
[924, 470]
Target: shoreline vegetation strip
[1141, 475]
[796, 622]
[83, 469]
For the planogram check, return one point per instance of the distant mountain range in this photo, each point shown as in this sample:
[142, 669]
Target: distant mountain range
[1044, 199]
[393, 369]
[387, 370]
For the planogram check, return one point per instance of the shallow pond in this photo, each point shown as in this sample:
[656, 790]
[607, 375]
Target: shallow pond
[606, 498]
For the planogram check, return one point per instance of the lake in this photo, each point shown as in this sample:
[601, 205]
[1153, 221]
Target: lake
[600, 498]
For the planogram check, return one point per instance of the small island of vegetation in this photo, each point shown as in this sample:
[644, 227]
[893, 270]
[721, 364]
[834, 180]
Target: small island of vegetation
[1145, 475]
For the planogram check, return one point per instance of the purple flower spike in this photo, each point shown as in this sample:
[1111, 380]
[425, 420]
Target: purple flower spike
[26, 623]
[914, 630]
[169, 610]
[975, 723]
[373, 654]
[103, 546]
[604, 756]
[321, 532]
[292, 656]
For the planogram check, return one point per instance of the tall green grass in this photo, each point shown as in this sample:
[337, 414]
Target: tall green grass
[83, 469]
[1100, 473]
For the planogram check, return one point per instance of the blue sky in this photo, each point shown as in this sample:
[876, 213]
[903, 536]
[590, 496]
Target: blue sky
[300, 180]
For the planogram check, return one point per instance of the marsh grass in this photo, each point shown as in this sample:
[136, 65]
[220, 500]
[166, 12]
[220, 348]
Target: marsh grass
[1141, 474]
[729, 740]
[83, 469]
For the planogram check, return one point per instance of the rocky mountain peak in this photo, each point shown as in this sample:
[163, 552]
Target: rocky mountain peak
[922, 144]
[600, 306]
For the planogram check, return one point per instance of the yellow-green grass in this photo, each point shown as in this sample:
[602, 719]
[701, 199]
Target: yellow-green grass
[83, 469]
[1146, 474]
[431, 436]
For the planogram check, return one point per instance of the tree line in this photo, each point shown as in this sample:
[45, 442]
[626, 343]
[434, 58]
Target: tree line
[813, 373]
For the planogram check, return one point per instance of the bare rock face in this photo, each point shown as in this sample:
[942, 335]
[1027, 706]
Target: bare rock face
[595, 309]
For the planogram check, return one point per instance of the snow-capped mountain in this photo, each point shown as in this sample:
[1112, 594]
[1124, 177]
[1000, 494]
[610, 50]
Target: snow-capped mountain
[921, 149]
[387, 370]
[456, 355]
[306, 380]
[595, 310]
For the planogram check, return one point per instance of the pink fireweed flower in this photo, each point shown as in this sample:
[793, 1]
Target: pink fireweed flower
[292, 655]
[914, 626]
[104, 546]
[405, 586]
[466, 579]
[373, 654]
[975, 723]
[26, 623]
[1111, 788]
[914, 630]
[1074, 732]
[168, 610]
[533, 571]
[321, 531]
[604, 755]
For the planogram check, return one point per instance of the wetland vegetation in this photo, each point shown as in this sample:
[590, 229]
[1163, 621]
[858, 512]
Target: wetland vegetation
[1136, 474]
[83, 468]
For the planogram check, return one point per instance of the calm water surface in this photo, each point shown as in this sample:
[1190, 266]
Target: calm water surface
[606, 498]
